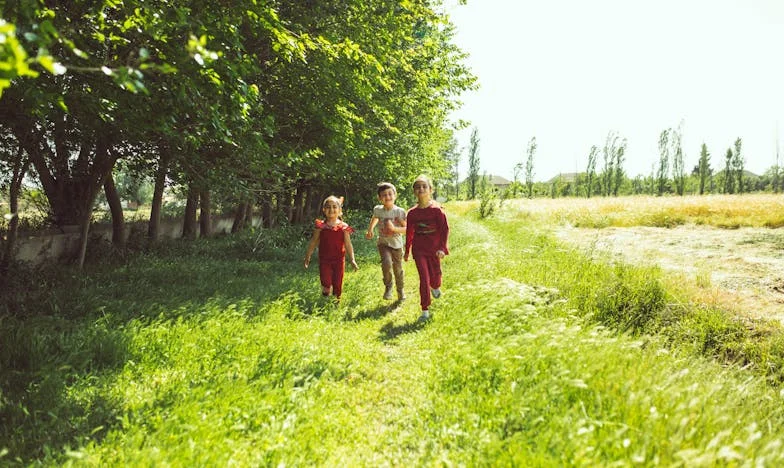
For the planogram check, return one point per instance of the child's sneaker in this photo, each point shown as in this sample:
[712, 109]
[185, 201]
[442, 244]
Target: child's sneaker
[388, 292]
[424, 317]
[436, 293]
[401, 296]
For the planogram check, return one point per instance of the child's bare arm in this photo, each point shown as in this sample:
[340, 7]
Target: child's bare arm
[350, 250]
[369, 233]
[312, 246]
[399, 228]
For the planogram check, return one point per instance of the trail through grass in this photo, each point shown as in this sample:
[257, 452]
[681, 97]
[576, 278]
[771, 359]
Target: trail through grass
[221, 358]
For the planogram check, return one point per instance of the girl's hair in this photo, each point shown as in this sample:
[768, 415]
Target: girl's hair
[338, 200]
[424, 178]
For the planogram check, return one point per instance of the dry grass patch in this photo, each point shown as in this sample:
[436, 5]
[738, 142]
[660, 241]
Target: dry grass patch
[724, 211]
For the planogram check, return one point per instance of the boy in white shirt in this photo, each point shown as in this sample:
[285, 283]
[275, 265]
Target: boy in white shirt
[392, 224]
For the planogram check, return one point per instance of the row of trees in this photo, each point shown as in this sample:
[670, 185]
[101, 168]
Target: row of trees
[239, 103]
[668, 175]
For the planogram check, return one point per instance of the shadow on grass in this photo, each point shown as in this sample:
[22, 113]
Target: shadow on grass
[375, 313]
[390, 331]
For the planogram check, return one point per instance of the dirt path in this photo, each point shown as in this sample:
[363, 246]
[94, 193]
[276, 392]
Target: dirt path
[742, 270]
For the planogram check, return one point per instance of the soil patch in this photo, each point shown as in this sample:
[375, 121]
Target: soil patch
[741, 270]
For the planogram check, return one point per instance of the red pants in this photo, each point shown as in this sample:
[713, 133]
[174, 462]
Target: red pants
[331, 274]
[429, 268]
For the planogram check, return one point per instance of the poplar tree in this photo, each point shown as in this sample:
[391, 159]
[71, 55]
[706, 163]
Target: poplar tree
[676, 150]
[738, 164]
[591, 170]
[664, 161]
[729, 181]
[704, 167]
[529, 167]
[473, 163]
[776, 168]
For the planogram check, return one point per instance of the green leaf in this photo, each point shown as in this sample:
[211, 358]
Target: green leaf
[61, 103]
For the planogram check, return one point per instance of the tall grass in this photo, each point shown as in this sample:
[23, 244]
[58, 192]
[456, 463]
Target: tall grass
[216, 355]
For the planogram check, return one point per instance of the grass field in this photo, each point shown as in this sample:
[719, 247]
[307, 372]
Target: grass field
[211, 354]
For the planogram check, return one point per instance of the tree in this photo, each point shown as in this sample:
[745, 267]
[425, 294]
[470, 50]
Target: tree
[612, 173]
[664, 161]
[729, 179]
[609, 164]
[452, 154]
[618, 151]
[776, 168]
[676, 151]
[738, 164]
[473, 163]
[590, 171]
[14, 165]
[518, 168]
[704, 168]
[277, 101]
[529, 167]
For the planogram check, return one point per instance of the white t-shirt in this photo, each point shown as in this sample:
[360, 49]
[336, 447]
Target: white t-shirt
[385, 237]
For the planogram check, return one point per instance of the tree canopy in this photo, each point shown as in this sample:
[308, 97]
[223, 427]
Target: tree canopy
[247, 99]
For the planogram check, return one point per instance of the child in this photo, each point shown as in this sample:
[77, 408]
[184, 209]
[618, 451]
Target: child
[426, 237]
[390, 240]
[333, 238]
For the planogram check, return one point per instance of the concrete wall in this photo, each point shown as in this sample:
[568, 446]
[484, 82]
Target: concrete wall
[50, 245]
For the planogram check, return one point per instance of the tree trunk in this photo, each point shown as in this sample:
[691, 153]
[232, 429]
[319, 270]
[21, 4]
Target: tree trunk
[298, 209]
[189, 220]
[266, 213]
[154, 226]
[239, 217]
[249, 213]
[284, 205]
[205, 221]
[102, 166]
[20, 167]
[115, 206]
[308, 213]
[84, 231]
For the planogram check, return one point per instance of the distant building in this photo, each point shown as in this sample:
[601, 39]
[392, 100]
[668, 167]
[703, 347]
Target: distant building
[499, 183]
[566, 177]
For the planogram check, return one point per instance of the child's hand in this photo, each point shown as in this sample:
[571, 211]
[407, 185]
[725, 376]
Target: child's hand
[354, 264]
[405, 257]
[440, 254]
[307, 261]
[369, 235]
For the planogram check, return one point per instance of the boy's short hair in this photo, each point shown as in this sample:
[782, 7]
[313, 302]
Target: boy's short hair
[385, 186]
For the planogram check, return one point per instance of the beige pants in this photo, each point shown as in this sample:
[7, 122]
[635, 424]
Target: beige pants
[392, 261]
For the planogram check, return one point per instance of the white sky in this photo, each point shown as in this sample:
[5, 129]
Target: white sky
[570, 71]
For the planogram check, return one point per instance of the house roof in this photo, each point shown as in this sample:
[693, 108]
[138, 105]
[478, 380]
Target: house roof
[494, 180]
[565, 177]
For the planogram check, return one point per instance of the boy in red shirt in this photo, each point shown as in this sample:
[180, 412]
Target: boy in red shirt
[427, 232]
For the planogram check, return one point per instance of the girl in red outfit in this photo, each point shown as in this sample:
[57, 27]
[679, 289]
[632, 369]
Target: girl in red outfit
[333, 238]
[426, 237]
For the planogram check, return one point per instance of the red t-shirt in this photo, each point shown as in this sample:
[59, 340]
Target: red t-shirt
[427, 230]
[332, 246]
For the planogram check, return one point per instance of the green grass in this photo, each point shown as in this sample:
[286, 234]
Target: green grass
[210, 354]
